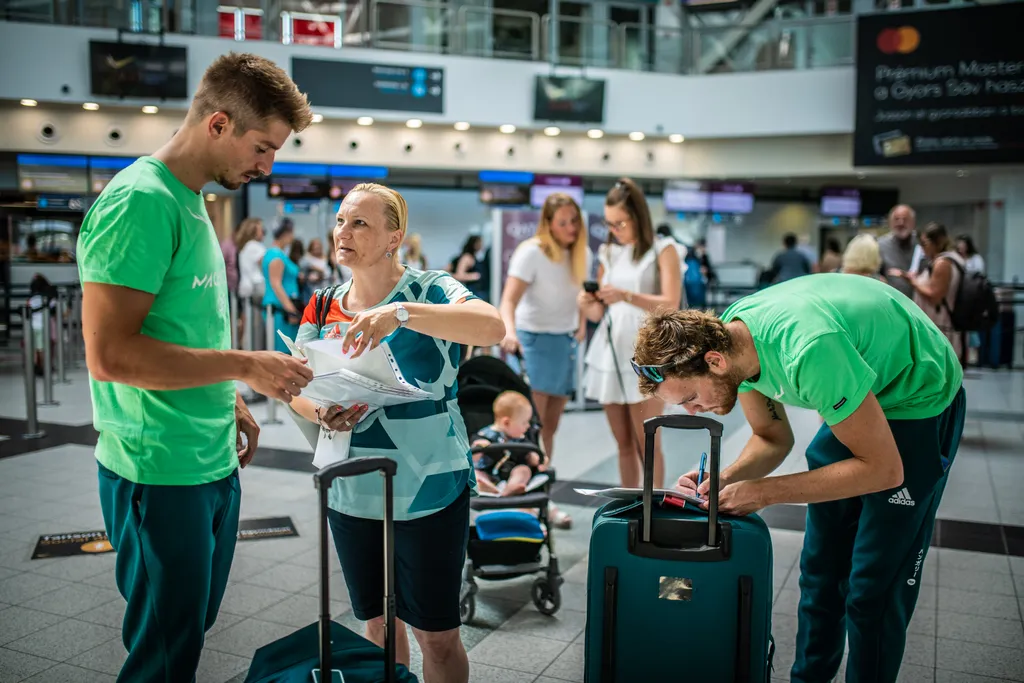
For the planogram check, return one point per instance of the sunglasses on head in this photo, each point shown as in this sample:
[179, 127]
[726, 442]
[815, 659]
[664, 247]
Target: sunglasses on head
[651, 372]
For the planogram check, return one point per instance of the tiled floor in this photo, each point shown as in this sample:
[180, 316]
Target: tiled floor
[60, 619]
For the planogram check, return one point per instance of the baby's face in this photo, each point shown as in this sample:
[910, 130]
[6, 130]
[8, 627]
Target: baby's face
[516, 426]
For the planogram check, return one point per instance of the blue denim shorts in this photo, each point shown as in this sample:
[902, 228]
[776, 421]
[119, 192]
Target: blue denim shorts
[550, 362]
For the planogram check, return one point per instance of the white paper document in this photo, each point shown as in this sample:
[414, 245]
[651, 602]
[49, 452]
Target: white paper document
[635, 494]
[373, 379]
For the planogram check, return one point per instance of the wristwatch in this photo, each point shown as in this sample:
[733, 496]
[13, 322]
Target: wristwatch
[402, 313]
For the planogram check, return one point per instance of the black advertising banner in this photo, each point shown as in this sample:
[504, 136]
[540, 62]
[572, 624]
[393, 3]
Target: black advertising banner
[940, 87]
[365, 86]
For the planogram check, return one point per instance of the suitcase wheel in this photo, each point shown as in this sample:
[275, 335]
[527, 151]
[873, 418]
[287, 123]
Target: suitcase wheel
[546, 597]
[467, 608]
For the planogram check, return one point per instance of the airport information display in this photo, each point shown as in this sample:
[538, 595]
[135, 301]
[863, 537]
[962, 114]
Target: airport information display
[367, 87]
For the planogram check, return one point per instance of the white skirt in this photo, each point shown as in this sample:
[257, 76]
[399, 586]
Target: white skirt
[605, 387]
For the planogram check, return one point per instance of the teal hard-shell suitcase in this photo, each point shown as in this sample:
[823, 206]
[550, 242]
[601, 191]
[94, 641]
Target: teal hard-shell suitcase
[678, 594]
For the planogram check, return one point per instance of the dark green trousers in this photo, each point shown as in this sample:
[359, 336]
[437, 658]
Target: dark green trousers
[860, 569]
[174, 549]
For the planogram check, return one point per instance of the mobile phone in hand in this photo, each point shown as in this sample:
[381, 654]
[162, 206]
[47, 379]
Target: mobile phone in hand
[591, 286]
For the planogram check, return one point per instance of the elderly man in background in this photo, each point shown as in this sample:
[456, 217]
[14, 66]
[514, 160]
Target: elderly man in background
[900, 248]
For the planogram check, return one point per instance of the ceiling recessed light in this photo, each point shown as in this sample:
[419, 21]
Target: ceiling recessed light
[28, 103]
[552, 131]
[637, 136]
[595, 134]
[414, 123]
[90, 106]
[150, 109]
[365, 120]
[462, 125]
[675, 138]
[317, 118]
[507, 128]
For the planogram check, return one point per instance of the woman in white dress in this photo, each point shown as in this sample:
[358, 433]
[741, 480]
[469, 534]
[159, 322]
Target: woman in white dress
[637, 273]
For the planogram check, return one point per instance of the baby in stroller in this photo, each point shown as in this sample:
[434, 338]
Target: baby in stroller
[509, 473]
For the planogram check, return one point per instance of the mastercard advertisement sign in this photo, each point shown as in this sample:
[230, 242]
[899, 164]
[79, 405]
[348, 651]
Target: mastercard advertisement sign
[940, 87]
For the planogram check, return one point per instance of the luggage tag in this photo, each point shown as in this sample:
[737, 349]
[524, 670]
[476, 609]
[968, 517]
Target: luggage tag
[336, 676]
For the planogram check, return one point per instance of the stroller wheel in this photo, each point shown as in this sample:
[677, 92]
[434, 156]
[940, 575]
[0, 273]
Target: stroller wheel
[467, 608]
[546, 597]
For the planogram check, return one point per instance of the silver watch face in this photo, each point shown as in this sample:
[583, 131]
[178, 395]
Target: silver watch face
[402, 314]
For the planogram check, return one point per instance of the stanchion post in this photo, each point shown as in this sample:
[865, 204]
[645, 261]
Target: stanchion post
[272, 418]
[47, 358]
[233, 307]
[249, 322]
[62, 358]
[32, 430]
[74, 327]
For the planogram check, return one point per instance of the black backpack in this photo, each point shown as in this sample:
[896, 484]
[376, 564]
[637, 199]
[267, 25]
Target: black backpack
[975, 308]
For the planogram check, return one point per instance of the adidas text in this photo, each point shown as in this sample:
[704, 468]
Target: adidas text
[902, 497]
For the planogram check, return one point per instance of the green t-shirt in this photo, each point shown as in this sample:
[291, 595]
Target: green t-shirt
[824, 341]
[149, 232]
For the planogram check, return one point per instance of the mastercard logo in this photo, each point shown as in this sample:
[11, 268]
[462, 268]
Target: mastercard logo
[903, 40]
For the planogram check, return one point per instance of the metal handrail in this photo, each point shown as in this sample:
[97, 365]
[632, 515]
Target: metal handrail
[613, 57]
[442, 8]
[650, 50]
[461, 46]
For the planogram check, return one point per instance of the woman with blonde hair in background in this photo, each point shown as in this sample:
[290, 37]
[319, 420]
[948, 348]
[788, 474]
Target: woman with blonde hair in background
[413, 252]
[542, 316]
[638, 273]
[250, 250]
[425, 317]
[863, 257]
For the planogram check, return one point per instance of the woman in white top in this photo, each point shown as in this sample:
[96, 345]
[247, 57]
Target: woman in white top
[541, 314]
[638, 274]
[249, 242]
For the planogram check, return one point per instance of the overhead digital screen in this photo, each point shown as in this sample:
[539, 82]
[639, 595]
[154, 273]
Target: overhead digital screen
[732, 197]
[103, 169]
[547, 185]
[684, 196]
[505, 195]
[288, 187]
[571, 99]
[53, 173]
[142, 70]
[940, 87]
[840, 201]
[366, 86]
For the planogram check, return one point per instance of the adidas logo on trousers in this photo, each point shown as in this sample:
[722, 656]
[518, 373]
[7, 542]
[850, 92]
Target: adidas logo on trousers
[902, 497]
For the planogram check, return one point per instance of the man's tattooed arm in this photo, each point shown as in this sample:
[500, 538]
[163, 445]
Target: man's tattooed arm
[772, 410]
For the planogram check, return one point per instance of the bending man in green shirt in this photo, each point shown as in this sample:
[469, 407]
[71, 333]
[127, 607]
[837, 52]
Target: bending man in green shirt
[158, 347]
[889, 387]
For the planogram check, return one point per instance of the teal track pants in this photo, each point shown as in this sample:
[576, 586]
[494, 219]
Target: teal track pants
[860, 569]
[174, 549]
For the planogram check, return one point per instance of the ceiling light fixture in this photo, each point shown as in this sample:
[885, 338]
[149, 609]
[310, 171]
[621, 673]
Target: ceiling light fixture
[317, 118]
[28, 103]
[462, 126]
[90, 106]
[365, 120]
[552, 131]
[595, 134]
[413, 123]
[636, 136]
[675, 138]
[507, 128]
[150, 109]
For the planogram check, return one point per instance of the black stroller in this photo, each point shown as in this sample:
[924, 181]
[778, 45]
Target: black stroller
[481, 379]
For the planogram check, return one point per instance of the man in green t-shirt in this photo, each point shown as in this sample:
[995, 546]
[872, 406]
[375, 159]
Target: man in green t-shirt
[889, 387]
[162, 371]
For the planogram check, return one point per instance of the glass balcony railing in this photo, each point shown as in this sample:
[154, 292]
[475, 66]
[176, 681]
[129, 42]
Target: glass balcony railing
[465, 28]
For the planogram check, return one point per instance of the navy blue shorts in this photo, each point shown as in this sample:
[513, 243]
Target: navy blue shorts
[429, 556]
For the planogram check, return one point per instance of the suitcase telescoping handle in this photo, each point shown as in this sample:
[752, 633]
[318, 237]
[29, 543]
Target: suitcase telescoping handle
[651, 427]
[323, 480]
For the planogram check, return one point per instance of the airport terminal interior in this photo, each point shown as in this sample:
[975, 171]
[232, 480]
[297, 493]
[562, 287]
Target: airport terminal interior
[762, 133]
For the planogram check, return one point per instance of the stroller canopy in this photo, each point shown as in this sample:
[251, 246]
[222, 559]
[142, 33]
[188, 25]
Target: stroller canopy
[481, 379]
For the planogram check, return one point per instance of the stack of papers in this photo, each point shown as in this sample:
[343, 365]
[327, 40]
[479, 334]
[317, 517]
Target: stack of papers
[636, 494]
[373, 379]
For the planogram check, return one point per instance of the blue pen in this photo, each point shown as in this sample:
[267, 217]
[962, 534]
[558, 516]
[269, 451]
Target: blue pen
[700, 470]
